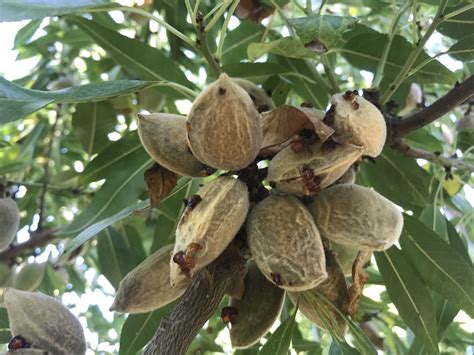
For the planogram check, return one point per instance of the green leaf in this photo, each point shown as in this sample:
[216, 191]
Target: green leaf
[138, 329]
[432, 218]
[16, 10]
[115, 157]
[26, 32]
[340, 348]
[286, 47]
[237, 41]
[392, 173]
[456, 241]
[146, 62]
[115, 256]
[440, 265]
[463, 50]
[120, 189]
[5, 335]
[96, 228]
[91, 123]
[254, 71]
[459, 26]
[324, 29]
[423, 139]
[304, 81]
[409, 294]
[17, 102]
[365, 50]
[279, 342]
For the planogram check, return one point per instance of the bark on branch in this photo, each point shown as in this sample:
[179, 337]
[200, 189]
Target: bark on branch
[36, 240]
[181, 325]
[457, 95]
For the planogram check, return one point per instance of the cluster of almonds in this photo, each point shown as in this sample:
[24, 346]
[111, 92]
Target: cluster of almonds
[305, 222]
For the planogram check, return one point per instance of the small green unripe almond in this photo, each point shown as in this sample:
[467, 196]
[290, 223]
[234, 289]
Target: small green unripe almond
[285, 243]
[314, 168]
[9, 222]
[211, 220]
[163, 136]
[224, 129]
[260, 98]
[314, 303]
[256, 312]
[147, 287]
[359, 122]
[357, 217]
[44, 322]
[30, 276]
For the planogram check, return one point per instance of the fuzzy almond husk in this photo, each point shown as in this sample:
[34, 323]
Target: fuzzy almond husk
[258, 309]
[223, 126]
[147, 286]
[207, 228]
[44, 322]
[9, 222]
[163, 135]
[286, 244]
[357, 217]
[261, 100]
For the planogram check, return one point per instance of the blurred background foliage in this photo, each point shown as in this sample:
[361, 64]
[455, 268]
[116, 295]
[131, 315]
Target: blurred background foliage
[73, 162]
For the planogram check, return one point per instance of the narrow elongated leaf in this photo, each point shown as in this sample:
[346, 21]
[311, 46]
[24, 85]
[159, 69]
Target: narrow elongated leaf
[116, 194]
[138, 329]
[433, 219]
[115, 256]
[340, 348]
[117, 156]
[286, 47]
[16, 10]
[463, 50]
[255, 71]
[365, 50]
[17, 102]
[440, 265]
[92, 122]
[409, 294]
[279, 342]
[96, 228]
[324, 29]
[26, 32]
[456, 241]
[237, 41]
[5, 335]
[392, 173]
[459, 26]
[305, 83]
[146, 62]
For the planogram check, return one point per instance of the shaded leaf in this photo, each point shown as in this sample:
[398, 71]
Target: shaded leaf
[463, 50]
[146, 62]
[17, 102]
[459, 26]
[287, 47]
[279, 342]
[16, 10]
[392, 173]
[5, 335]
[138, 329]
[325, 29]
[365, 50]
[160, 182]
[440, 265]
[409, 294]
[92, 122]
[115, 256]
[237, 41]
[115, 157]
[432, 218]
[96, 228]
[255, 71]
[340, 348]
[26, 32]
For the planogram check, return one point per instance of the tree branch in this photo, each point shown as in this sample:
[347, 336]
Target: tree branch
[405, 149]
[37, 239]
[181, 325]
[459, 94]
